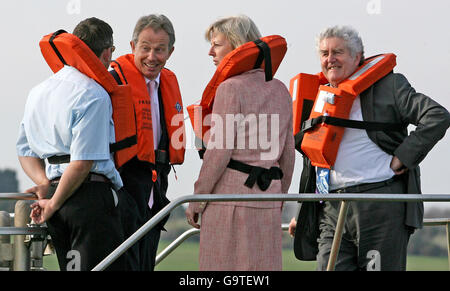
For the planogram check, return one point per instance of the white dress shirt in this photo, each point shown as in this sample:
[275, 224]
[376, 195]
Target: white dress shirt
[359, 160]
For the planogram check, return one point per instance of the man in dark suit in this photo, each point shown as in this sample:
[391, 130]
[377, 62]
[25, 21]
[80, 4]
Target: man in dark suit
[371, 228]
[158, 107]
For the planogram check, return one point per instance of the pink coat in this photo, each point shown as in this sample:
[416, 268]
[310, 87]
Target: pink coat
[270, 105]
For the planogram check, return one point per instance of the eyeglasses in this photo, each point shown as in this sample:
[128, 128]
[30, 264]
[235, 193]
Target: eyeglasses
[113, 48]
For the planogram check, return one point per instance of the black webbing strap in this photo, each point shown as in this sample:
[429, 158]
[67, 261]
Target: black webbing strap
[264, 54]
[116, 75]
[162, 157]
[262, 176]
[298, 138]
[114, 147]
[367, 125]
[163, 146]
[123, 144]
[306, 111]
[201, 153]
[54, 160]
[55, 49]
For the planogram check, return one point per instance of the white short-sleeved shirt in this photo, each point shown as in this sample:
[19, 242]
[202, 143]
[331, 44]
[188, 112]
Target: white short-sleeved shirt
[69, 113]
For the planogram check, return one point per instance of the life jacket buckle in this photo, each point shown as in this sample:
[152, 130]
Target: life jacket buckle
[307, 125]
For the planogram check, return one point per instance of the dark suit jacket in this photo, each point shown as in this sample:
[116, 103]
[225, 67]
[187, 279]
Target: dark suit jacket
[391, 99]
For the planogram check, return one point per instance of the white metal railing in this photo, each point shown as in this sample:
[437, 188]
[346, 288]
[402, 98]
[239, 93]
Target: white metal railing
[35, 230]
[27, 250]
[194, 231]
[18, 196]
[344, 198]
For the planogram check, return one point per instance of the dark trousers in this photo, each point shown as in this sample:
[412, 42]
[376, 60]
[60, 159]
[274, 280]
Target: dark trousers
[135, 212]
[375, 235]
[87, 228]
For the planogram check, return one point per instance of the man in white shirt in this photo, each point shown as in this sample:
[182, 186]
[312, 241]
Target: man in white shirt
[71, 114]
[369, 162]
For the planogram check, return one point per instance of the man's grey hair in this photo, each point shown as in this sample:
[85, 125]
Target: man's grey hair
[348, 34]
[156, 22]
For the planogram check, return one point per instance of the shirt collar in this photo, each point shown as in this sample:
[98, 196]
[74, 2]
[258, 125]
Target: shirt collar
[147, 80]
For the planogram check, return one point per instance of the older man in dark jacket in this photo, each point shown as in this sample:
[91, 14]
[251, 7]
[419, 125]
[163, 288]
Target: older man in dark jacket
[369, 162]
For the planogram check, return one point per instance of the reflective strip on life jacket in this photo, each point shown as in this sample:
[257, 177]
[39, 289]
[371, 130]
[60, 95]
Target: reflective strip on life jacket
[269, 50]
[173, 110]
[321, 142]
[62, 48]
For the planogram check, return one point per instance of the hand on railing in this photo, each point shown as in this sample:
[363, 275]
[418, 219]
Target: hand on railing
[42, 210]
[40, 190]
[192, 217]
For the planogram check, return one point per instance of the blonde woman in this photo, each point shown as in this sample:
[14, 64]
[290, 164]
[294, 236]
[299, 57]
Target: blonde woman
[243, 235]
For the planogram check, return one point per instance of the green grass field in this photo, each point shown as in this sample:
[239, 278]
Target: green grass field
[185, 258]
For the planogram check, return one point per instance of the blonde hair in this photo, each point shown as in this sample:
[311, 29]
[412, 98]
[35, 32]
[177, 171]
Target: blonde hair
[237, 29]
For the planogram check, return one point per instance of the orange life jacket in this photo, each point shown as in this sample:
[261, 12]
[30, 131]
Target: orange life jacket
[328, 109]
[173, 110]
[62, 48]
[266, 52]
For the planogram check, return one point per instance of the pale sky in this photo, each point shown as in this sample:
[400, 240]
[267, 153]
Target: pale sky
[416, 31]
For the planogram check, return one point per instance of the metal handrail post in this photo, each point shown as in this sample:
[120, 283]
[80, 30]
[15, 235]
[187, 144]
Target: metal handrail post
[5, 242]
[21, 251]
[448, 243]
[338, 236]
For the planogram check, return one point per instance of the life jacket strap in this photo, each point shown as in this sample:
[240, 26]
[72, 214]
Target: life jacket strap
[55, 49]
[264, 55]
[116, 75]
[55, 160]
[262, 176]
[367, 125]
[123, 144]
[161, 156]
[201, 153]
